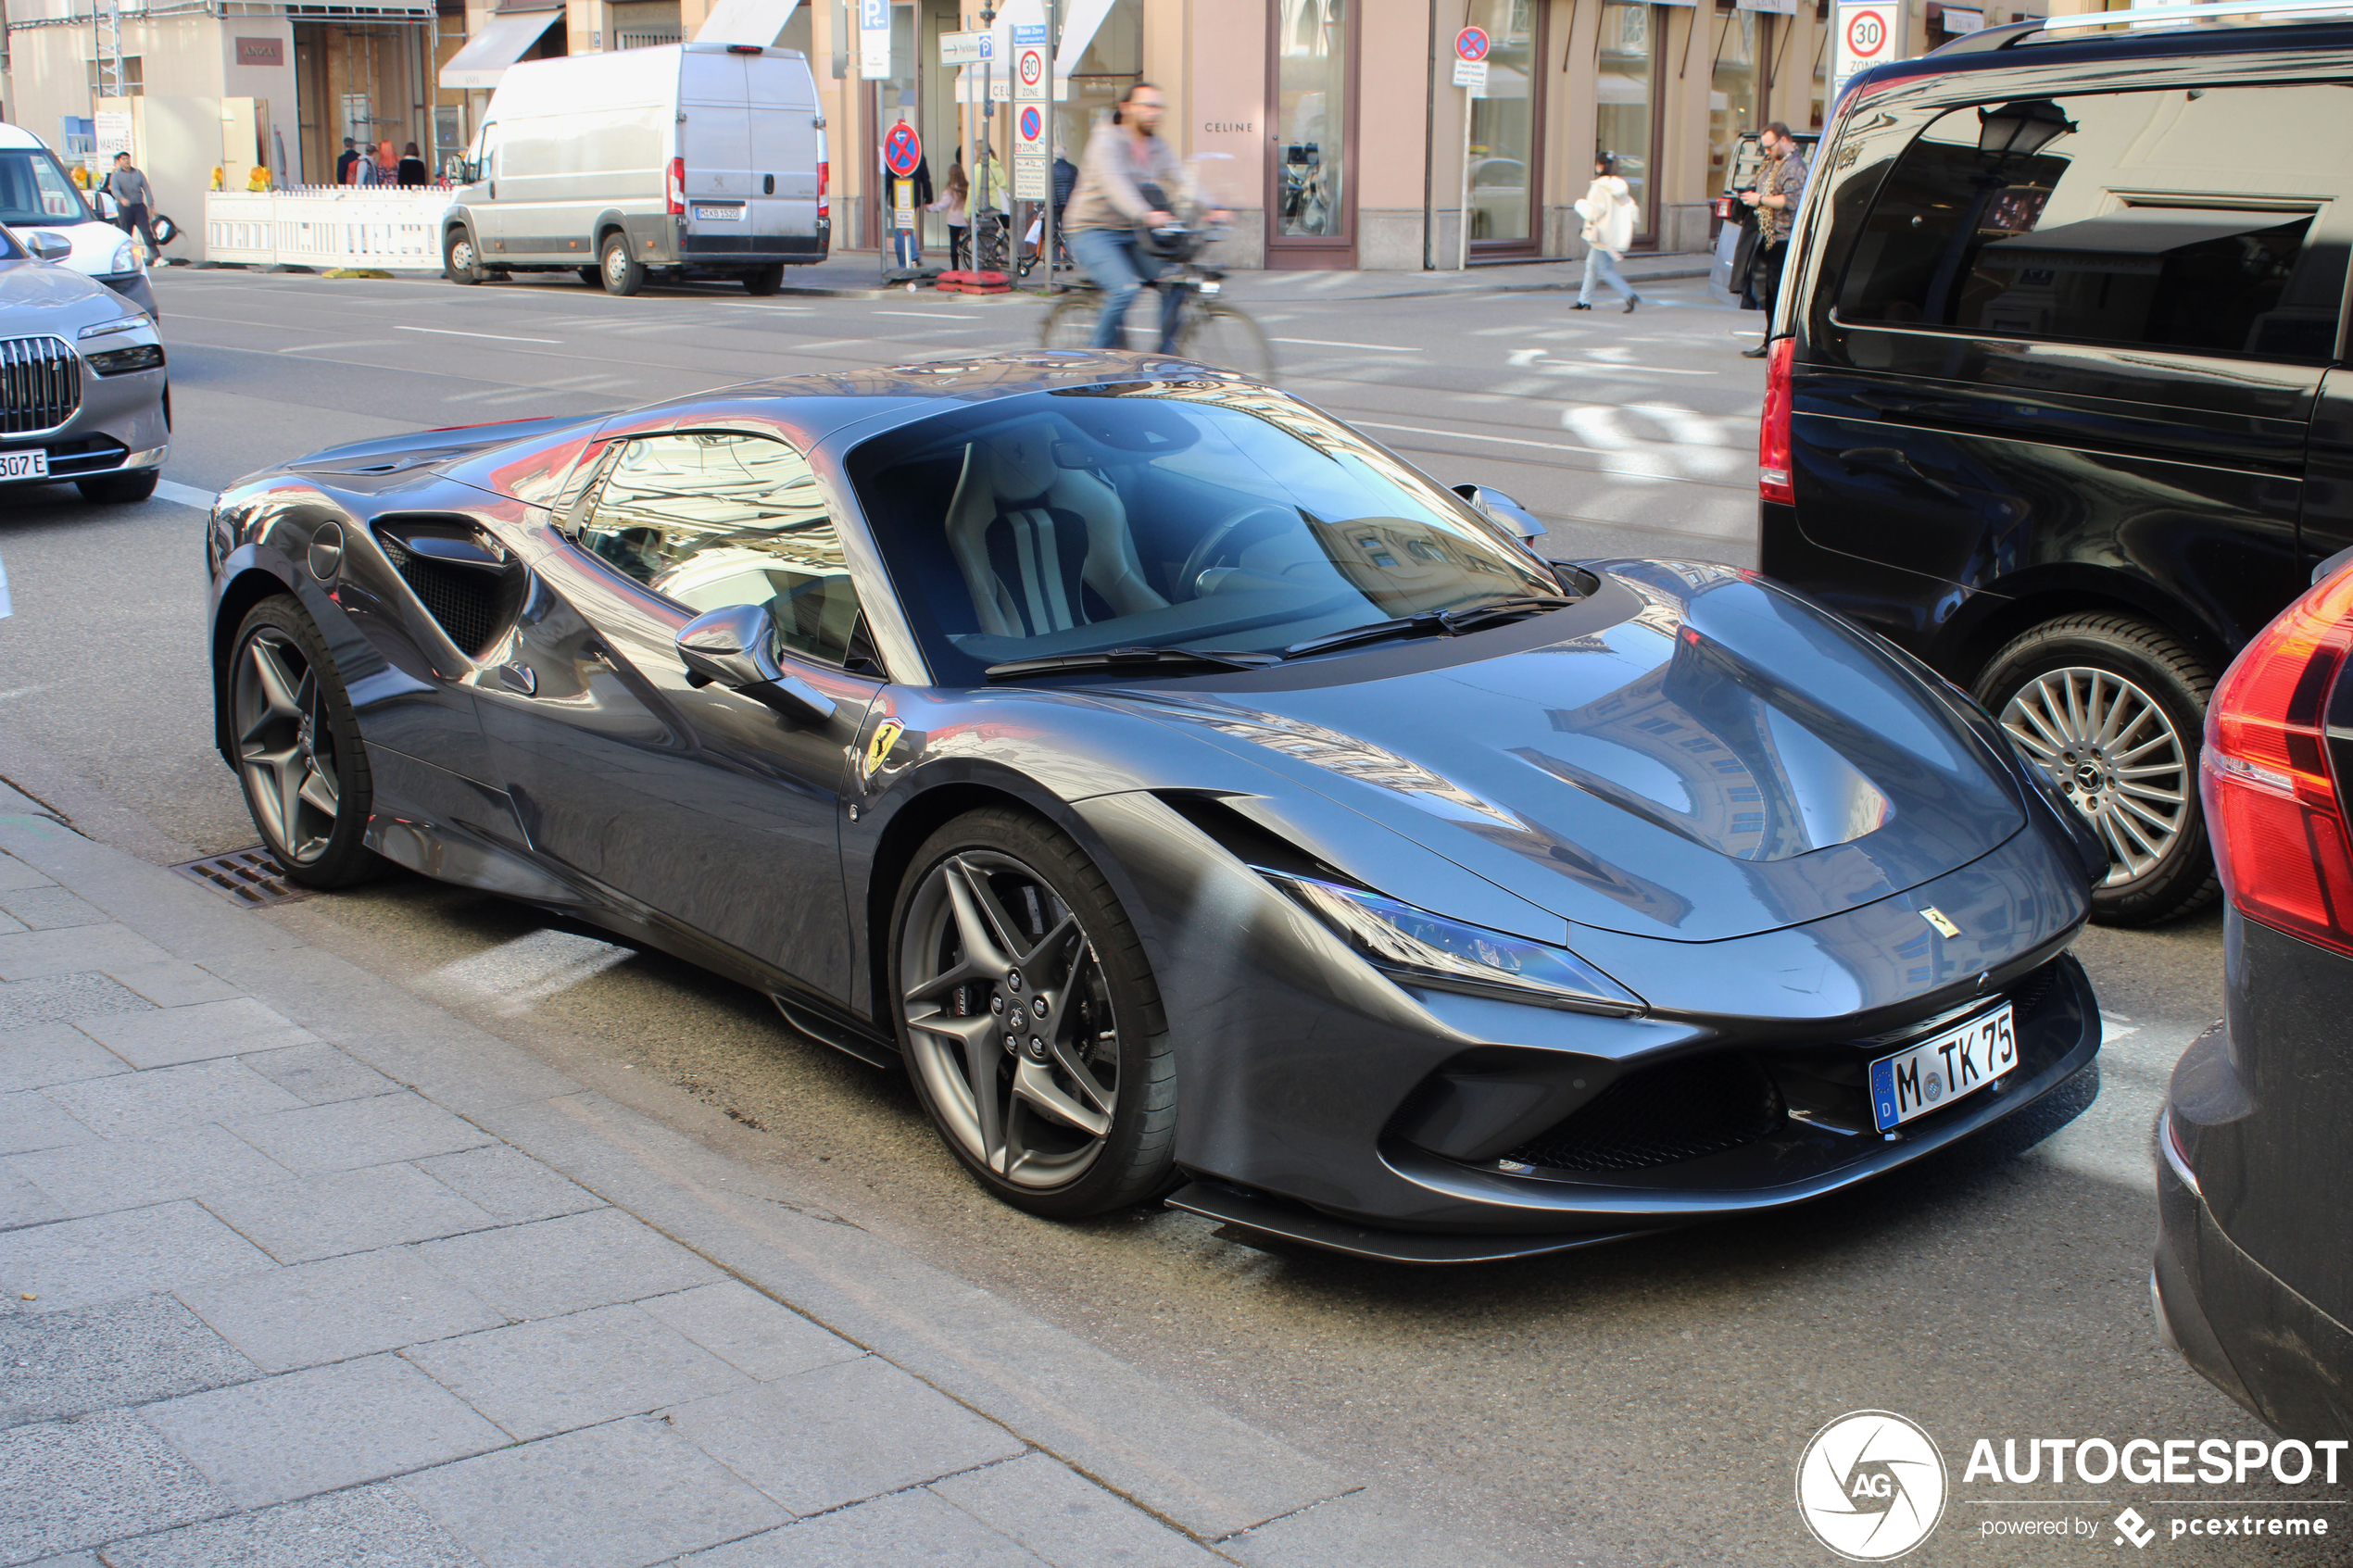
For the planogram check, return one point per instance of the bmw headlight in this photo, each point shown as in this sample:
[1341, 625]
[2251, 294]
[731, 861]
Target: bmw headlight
[1417, 948]
[120, 324]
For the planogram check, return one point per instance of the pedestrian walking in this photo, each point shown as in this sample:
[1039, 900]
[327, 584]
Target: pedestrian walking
[954, 208]
[1130, 184]
[134, 202]
[348, 157]
[413, 171]
[387, 165]
[1779, 185]
[1607, 207]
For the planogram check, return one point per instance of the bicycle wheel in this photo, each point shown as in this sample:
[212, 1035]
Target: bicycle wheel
[1070, 323]
[1216, 333]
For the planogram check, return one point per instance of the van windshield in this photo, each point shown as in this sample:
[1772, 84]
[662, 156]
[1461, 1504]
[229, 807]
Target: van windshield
[34, 190]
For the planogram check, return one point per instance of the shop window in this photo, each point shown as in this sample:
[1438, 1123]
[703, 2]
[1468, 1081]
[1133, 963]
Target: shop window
[1311, 63]
[2116, 219]
[1625, 82]
[1731, 98]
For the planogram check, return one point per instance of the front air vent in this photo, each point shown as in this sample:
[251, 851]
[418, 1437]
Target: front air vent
[469, 582]
[1660, 1116]
[40, 384]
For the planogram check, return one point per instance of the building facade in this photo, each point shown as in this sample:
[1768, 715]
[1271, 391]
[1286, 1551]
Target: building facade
[1331, 128]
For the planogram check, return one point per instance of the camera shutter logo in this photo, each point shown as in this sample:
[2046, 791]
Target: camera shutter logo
[1872, 1485]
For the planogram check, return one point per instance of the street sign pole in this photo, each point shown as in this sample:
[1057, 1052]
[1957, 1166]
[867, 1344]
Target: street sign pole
[988, 129]
[1470, 74]
[1461, 218]
[1054, 52]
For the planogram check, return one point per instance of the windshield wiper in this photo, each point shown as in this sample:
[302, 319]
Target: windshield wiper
[1129, 657]
[1448, 623]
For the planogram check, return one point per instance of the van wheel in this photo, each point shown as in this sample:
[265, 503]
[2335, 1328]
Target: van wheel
[590, 276]
[622, 274]
[2112, 708]
[459, 262]
[764, 280]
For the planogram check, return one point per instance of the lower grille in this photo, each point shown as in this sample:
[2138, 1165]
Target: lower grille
[90, 454]
[1678, 1110]
[40, 384]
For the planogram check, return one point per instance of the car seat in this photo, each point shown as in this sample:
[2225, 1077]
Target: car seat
[1032, 537]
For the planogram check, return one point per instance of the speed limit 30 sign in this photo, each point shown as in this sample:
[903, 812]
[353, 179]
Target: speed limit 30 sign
[1863, 35]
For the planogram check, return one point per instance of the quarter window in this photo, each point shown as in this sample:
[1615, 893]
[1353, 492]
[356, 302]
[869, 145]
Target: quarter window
[2197, 219]
[714, 519]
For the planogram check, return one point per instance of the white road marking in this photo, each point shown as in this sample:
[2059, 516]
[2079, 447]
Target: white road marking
[1327, 343]
[451, 331]
[185, 495]
[926, 315]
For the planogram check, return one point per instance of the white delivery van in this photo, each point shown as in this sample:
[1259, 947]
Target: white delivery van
[689, 159]
[37, 197]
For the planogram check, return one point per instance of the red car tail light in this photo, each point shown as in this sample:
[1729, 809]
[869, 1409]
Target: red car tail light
[675, 187]
[824, 184]
[2270, 796]
[1772, 432]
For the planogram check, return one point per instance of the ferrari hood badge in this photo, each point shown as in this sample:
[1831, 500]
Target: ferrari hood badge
[1936, 917]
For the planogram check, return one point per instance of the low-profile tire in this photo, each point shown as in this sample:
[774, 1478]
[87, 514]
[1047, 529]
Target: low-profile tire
[2113, 709]
[460, 263]
[120, 489]
[299, 755]
[622, 272]
[1002, 917]
[764, 280]
[590, 276]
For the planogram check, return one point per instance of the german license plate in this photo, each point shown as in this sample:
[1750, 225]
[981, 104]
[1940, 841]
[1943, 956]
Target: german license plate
[1932, 1073]
[24, 465]
[719, 214]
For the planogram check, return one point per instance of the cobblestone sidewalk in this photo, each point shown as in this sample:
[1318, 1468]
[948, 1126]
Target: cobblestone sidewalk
[298, 1270]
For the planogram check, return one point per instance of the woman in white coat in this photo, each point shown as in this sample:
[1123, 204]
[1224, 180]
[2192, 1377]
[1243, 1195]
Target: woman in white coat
[1607, 208]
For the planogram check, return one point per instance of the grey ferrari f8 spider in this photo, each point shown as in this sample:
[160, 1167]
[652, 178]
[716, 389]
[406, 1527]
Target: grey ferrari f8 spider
[1200, 802]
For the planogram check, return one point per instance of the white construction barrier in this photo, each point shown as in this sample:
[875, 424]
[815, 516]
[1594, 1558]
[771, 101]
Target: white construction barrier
[327, 226]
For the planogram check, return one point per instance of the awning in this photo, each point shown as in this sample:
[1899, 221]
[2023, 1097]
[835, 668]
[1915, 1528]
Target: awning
[499, 44]
[2138, 230]
[746, 21]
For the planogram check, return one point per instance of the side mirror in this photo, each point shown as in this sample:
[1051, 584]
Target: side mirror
[730, 647]
[46, 246]
[1502, 509]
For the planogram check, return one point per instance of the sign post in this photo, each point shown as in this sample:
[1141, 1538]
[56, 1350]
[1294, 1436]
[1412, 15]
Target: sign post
[902, 150]
[1033, 96]
[1470, 74]
[1863, 34]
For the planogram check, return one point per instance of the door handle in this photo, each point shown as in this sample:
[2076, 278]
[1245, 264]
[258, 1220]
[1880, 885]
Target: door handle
[519, 678]
[1888, 461]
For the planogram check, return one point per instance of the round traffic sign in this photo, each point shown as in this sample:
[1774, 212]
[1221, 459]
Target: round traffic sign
[1471, 44]
[1866, 33]
[902, 149]
[1033, 65]
[1030, 123]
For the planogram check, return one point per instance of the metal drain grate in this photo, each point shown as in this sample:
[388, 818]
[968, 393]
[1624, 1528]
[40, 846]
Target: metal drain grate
[249, 877]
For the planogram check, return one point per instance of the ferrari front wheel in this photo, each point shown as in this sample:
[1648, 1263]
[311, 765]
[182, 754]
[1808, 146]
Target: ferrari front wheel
[297, 748]
[1030, 1021]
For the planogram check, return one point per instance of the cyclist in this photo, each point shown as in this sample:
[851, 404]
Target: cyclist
[1131, 179]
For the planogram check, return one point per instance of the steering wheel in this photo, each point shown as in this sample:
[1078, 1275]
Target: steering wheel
[1241, 529]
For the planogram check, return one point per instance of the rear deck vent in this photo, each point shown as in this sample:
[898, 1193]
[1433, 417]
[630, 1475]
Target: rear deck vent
[1679, 1110]
[248, 876]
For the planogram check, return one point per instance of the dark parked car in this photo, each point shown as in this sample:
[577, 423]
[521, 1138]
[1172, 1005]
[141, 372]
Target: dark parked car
[1736, 230]
[2057, 400]
[2253, 1282]
[1190, 793]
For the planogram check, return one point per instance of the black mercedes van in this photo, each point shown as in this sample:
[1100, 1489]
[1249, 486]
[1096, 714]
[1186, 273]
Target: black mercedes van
[2057, 398]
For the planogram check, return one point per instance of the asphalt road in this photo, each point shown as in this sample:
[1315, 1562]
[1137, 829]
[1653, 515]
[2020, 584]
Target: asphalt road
[1639, 1404]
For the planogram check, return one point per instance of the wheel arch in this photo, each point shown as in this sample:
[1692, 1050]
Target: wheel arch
[2020, 604]
[610, 222]
[237, 597]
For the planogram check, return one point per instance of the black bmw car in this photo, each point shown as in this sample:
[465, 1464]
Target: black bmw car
[1199, 801]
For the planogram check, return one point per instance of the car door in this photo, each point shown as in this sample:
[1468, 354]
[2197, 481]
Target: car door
[2327, 523]
[2075, 335]
[700, 803]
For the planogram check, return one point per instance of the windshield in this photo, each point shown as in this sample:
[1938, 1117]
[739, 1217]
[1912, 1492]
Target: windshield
[34, 190]
[1178, 514]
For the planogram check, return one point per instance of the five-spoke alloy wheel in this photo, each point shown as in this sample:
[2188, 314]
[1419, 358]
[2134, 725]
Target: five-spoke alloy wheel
[297, 748]
[1030, 1022]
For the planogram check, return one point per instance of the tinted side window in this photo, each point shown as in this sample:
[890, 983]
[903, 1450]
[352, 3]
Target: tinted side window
[712, 519]
[2202, 221]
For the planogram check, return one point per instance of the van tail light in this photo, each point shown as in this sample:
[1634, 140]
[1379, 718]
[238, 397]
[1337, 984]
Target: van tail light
[1772, 432]
[675, 188]
[2271, 795]
[825, 185]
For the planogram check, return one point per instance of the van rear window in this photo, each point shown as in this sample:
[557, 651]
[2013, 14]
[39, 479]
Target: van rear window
[2123, 218]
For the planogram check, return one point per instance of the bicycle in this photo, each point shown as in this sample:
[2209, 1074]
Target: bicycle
[1210, 330]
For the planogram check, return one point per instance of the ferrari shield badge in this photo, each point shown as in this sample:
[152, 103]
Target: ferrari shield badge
[886, 735]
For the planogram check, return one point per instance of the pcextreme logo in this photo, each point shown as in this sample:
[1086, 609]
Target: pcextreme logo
[1870, 1486]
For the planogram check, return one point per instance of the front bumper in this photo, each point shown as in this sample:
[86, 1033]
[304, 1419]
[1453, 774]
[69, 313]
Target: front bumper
[120, 424]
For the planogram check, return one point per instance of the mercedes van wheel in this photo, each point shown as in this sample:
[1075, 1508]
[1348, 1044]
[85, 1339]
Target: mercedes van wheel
[764, 280]
[459, 262]
[2112, 709]
[622, 272]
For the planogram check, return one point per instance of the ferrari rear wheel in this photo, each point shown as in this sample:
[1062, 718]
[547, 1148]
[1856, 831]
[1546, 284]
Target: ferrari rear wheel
[1030, 1021]
[298, 746]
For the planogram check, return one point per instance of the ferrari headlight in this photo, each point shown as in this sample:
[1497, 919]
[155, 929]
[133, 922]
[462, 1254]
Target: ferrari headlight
[1417, 948]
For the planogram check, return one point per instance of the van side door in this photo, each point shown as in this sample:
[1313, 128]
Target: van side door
[784, 155]
[714, 143]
